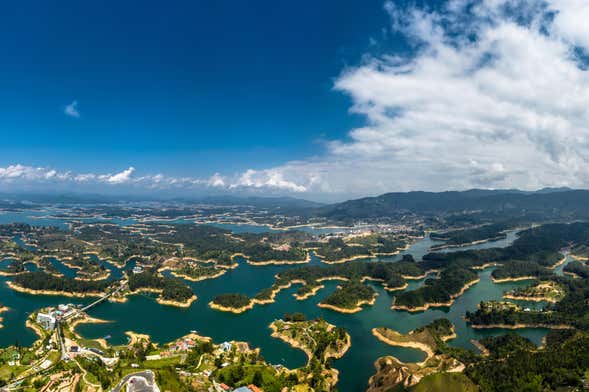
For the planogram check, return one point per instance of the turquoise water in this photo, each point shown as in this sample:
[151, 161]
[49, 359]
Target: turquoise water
[142, 314]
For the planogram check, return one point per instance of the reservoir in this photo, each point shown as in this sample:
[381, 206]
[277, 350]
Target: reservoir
[164, 323]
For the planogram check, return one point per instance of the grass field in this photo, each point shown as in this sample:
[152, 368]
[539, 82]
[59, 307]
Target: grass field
[445, 382]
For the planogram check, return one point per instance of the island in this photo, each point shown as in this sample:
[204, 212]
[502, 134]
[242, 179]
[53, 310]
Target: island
[390, 372]
[232, 302]
[440, 292]
[549, 291]
[320, 341]
[349, 297]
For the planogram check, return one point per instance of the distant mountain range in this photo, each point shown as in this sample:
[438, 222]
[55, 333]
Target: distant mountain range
[557, 201]
[546, 203]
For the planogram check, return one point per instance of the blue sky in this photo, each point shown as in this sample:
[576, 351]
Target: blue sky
[188, 88]
[318, 99]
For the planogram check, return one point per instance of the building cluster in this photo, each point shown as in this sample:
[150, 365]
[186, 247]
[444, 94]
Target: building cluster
[49, 319]
[220, 387]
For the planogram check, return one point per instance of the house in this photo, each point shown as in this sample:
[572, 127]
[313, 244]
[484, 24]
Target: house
[46, 320]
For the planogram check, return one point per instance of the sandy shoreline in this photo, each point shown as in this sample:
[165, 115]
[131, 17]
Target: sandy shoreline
[213, 305]
[295, 344]
[466, 244]
[135, 338]
[192, 279]
[21, 289]
[38, 331]
[356, 309]
[532, 299]
[278, 262]
[177, 304]
[410, 344]
[2, 310]
[518, 279]
[520, 326]
[88, 320]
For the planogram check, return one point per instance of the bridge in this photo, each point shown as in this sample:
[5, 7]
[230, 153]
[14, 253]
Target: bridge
[93, 304]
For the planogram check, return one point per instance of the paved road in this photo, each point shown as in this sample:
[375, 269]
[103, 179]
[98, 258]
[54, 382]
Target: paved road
[143, 381]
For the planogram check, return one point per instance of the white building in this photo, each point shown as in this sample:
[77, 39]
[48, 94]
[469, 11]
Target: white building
[47, 321]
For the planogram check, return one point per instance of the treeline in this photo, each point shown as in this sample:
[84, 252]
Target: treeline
[349, 294]
[337, 249]
[212, 243]
[172, 289]
[232, 300]
[441, 290]
[515, 366]
[518, 269]
[577, 268]
[389, 273]
[43, 281]
[572, 310]
[460, 237]
[540, 246]
[439, 327]
[504, 345]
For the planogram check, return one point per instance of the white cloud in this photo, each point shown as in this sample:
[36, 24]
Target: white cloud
[71, 110]
[507, 109]
[267, 179]
[493, 95]
[121, 178]
[256, 180]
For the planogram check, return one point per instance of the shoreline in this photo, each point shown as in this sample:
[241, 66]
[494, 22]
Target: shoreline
[429, 353]
[306, 260]
[221, 272]
[85, 319]
[426, 306]
[221, 308]
[419, 277]
[559, 262]
[2, 310]
[466, 244]
[486, 265]
[368, 256]
[309, 294]
[356, 309]
[532, 299]
[21, 289]
[178, 304]
[295, 344]
[520, 326]
[38, 331]
[518, 279]
[135, 337]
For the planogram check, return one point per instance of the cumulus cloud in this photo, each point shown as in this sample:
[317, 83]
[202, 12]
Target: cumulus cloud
[71, 110]
[494, 94]
[123, 177]
[263, 180]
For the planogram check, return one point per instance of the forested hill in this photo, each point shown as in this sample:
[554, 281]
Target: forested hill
[550, 204]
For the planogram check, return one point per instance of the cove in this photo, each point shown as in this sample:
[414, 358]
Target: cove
[164, 323]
